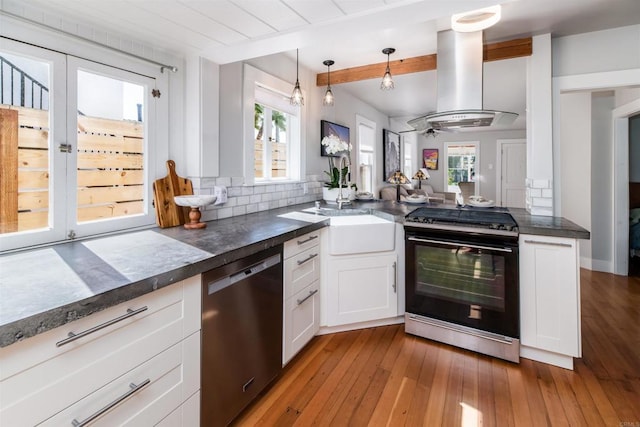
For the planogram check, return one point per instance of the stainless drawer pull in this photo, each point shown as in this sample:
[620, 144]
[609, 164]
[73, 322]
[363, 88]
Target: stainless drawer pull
[310, 257]
[132, 389]
[395, 277]
[73, 337]
[311, 293]
[537, 242]
[302, 242]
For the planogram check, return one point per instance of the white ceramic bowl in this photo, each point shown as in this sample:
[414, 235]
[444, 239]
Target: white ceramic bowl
[194, 201]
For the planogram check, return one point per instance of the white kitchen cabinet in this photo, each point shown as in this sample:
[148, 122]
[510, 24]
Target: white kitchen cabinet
[301, 308]
[550, 299]
[155, 337]
[361, 288]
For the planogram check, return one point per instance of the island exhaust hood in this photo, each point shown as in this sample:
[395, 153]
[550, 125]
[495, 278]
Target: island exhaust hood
[459, 99]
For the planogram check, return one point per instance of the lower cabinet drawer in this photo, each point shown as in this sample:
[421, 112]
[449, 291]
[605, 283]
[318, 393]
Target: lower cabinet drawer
[301, 270]
[143, 396]
[186, 415]
[301, 319]
[39, 378]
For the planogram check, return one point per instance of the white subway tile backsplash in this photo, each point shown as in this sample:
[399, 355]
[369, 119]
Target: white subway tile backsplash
[225, 213]
[223, 181]
[239, 210]
[243, 199]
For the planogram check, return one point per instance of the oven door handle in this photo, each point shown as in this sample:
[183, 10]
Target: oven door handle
[460, 245]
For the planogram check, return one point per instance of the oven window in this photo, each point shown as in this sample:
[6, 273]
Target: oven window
[461, 275]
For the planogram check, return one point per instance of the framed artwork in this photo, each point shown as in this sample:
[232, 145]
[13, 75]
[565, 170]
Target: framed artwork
[390, 152]
[430, 158]
[337, 136]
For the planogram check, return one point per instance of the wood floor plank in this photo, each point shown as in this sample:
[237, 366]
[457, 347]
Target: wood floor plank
[434, 415]
[518, 396]
[539, 416]
[380, 416]
[420, 398]
[552, 403]
[486, 398]
[384, 377]
[504, 410]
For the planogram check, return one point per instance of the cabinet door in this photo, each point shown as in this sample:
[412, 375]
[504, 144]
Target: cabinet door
[550, 294]
[301, 319]
[361, 288]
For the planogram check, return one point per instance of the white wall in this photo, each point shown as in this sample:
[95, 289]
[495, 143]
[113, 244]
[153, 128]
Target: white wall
[574, 161]
[344, 112]
[598, 51]
[601, 180]
[634, 149]
[487, 171]
[585, 63]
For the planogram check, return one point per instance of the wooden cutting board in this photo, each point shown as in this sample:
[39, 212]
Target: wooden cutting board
[168, 214]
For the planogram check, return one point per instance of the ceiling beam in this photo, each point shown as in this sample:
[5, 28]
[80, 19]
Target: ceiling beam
[491, 52]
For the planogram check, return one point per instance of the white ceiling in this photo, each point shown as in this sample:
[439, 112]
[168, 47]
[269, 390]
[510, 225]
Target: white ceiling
[351, 32]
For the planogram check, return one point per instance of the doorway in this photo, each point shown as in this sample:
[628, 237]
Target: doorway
[461, 165]
[511, 172]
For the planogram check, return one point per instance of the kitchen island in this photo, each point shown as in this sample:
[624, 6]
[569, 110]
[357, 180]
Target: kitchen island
[44, 288]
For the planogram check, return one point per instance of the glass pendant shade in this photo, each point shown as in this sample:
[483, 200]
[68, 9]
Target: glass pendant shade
[296, 95]
[387, 81]
[328, 95]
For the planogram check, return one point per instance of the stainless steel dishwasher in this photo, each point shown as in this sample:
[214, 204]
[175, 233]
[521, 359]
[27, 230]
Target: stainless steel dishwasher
[241, 334]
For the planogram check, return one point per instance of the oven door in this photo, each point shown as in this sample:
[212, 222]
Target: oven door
[471, 282]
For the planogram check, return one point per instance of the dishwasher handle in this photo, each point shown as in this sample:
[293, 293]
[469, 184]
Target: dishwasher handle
[244, 274]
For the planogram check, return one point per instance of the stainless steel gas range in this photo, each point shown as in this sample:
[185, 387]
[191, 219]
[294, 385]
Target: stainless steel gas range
[462, 279]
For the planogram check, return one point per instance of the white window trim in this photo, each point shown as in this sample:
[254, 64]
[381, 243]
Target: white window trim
[252, 77]
[363, 121]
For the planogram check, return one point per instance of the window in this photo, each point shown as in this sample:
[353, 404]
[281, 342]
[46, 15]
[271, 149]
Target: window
[77, 152]
[272, 129]
[275, 143]
[462, 164]
[366, 154]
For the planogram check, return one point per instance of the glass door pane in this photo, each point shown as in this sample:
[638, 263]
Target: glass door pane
[111, 117]
[32, 98]
[110, 153]
[462, 162]
[24, 99]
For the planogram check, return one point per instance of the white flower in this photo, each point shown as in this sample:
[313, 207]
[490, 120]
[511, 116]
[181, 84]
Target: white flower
[335, 145]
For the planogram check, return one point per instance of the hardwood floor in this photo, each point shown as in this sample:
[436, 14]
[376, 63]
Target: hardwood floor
[381, 376]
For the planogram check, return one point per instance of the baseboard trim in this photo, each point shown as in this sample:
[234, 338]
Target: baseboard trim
[360, 325]
[551, 358]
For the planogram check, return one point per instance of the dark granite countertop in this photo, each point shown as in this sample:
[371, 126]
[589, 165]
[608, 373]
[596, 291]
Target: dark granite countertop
[43, 288]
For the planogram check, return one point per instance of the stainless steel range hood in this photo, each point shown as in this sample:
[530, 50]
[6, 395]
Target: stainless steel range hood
[460, 87]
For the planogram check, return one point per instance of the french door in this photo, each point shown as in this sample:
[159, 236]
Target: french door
[75, 147]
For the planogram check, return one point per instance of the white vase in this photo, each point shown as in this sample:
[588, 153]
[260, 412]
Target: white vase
[330, 195]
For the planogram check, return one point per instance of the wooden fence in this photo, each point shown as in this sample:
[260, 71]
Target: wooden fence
[278, 159]
[110, 177]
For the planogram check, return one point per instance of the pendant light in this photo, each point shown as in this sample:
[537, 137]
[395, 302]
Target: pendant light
[296, 96]
[328, 95]
[387, 81]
